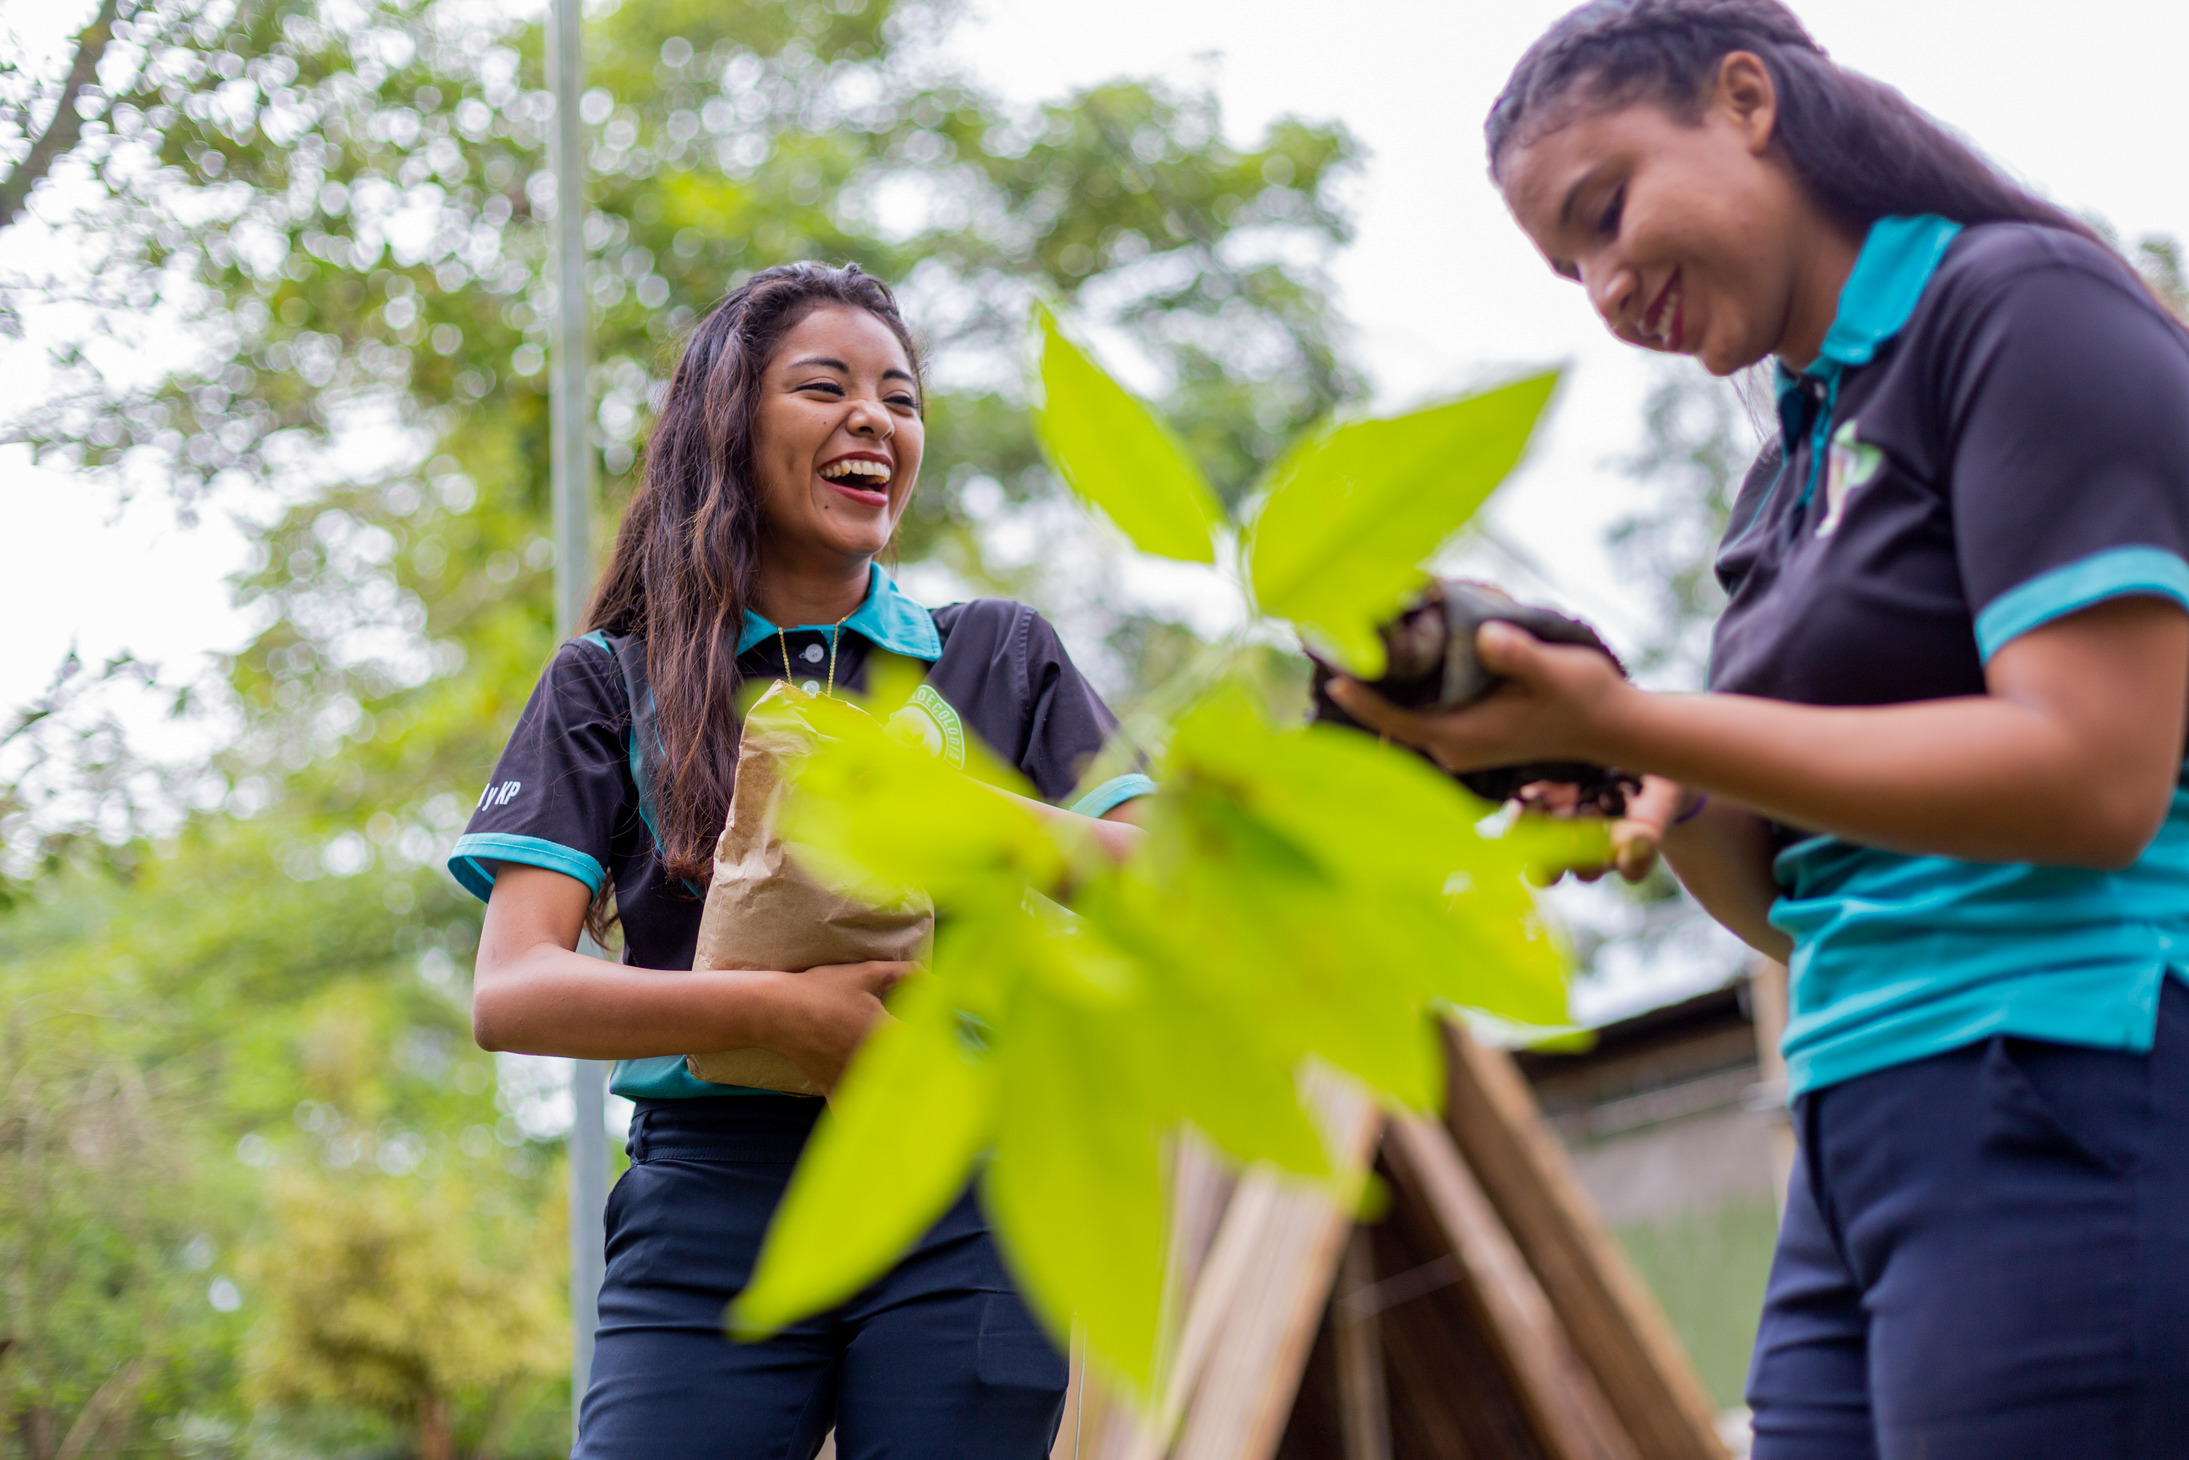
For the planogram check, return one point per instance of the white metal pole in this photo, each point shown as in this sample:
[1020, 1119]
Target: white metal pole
[571, 491]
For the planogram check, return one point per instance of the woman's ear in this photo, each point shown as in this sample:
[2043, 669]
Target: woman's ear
[1747, 97]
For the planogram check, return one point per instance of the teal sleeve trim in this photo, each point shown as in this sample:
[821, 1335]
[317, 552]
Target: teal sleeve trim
[467, 863]
[1112, 793]
[2121, 572]
[666, 1077]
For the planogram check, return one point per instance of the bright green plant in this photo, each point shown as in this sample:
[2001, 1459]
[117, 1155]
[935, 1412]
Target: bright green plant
[1302, 894]
[1335, 538]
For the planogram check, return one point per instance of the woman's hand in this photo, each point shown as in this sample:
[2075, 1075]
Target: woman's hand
[1556, 703]
[532, 992]
[1635, 837]
[823, 1015]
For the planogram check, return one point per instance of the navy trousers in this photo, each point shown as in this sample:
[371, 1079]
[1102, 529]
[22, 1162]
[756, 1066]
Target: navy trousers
[1986, 1257]
[937, 1360]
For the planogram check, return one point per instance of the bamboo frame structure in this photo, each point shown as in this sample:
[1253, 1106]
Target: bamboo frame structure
[1486, 1315]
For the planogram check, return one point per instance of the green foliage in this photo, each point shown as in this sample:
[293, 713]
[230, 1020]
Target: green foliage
[112, 1226]
[1302, 896]
[914, 1112]
[343, 205]
[1348, 516]
[1115, 453]
[970, 835]
[419, 1304]
[235, 1013]
[1353, 513]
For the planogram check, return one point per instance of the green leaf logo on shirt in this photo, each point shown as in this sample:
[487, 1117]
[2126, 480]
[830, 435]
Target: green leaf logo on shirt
[1851, 463]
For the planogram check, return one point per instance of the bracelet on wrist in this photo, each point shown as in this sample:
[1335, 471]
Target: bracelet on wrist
[1694, 809]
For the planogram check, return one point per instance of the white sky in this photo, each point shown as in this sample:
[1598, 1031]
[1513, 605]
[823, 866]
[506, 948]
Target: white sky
[2084, 102]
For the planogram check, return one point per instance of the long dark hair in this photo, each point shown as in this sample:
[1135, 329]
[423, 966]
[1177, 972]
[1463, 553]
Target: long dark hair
[1862, 149]
[688, 552]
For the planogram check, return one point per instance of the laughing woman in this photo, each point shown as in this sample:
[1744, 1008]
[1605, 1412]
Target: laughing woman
[786, 452]
[1940, 765]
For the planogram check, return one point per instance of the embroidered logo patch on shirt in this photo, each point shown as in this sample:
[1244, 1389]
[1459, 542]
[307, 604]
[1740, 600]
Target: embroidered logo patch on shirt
[1851, 463]
[927, 719]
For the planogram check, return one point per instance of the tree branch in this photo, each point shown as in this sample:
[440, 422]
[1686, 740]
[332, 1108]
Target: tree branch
[106, 1414]
[61, 132]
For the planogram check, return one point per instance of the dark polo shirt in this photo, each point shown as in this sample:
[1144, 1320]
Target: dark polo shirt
[569, 792]
[1995, 435]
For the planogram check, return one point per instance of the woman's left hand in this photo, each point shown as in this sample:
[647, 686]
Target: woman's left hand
[1557, 703]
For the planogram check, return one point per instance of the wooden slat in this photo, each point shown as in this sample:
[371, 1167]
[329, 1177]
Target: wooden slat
[1450, 1396]
[1201, 1183]
[1568, 1410]
[1256, 1294]
[1253, 1370]
[1767, 996]
[1614, 1324]
[1364, 1408]
[1241, 1246]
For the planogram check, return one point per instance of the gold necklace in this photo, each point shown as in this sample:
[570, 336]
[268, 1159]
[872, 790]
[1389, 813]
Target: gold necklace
[835, 636]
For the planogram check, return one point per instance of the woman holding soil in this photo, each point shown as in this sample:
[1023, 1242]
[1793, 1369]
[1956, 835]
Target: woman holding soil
[1940, 766]
[784, 457]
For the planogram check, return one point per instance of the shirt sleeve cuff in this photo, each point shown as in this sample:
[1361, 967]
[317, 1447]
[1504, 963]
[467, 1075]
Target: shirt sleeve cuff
[472, 862]
[2122, 572]
[1112, 793]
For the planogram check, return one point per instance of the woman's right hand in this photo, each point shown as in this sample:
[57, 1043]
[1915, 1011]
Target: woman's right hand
[823, 1015]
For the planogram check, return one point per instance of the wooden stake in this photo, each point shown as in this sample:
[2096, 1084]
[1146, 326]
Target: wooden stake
[1253, 1370]
[1564, 1402]
[1767, 1004]
[1616, 1327]
[1364, 1406]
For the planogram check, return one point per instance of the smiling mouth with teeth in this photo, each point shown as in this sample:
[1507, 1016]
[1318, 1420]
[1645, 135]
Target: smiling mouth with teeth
[1665, 318]
[857, 473]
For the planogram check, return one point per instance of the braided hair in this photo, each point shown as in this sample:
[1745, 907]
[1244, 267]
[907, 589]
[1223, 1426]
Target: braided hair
[1862, 149]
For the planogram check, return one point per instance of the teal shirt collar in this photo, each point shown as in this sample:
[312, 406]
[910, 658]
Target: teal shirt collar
[1890, 274]
[1889, 277]
[888, 619]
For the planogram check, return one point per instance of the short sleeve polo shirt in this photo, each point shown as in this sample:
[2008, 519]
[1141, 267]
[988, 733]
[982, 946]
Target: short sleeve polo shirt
[569, 793]
[1995, 435]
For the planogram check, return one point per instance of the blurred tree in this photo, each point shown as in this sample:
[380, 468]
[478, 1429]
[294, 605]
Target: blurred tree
[407, 1303]
[342, 206]
[1698, 438]
[39, 111]
[290, 267]
[69, 770]
[231, 1010]
[107, 1232]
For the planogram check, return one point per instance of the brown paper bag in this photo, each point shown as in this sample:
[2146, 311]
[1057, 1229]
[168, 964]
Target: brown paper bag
[763, 911]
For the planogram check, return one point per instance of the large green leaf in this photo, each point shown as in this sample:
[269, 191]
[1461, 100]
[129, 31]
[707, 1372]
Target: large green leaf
[887, 1159]
[1354, 885]
[1351, 515]
[1303, 894]
[1076, 1190]
[877, 815]
[1118, 457]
